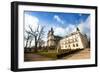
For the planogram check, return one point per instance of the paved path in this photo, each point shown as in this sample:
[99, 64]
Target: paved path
[83, 54]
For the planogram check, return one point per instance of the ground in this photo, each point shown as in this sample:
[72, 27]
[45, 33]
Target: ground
[35, 57]
[83, 54]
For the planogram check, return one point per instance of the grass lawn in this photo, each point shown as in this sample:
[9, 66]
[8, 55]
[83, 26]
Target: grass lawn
[52, 55]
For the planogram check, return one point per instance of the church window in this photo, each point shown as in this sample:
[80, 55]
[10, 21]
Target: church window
[66, 46]
[77, 45]
[76, 40]
[73, 45]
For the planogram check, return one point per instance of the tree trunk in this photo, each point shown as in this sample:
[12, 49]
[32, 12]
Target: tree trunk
[30, 43]
[35, 43]
[26, 43]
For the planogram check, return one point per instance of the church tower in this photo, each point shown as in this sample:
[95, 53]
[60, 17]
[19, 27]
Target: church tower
[77, 29]
[50, 41]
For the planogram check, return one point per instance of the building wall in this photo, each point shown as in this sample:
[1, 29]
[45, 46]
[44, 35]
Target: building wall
[84, 40]
[76, 41]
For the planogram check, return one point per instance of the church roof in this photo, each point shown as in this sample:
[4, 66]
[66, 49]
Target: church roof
[57, 36]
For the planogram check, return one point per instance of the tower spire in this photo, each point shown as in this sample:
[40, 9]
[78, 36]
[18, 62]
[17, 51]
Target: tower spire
[52, 30]
[77, 29]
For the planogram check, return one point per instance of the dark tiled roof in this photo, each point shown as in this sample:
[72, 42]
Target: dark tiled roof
[57, 36]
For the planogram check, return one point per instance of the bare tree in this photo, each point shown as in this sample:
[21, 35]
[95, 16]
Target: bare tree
[30, 42]
[40, 36]
[27, 38]
[37, 35]
[41, 43]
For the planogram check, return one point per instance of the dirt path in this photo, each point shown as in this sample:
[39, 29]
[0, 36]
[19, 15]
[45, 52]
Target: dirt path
[84, 54]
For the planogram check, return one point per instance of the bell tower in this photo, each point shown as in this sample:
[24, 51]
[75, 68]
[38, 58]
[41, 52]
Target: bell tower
[77, 29]
[50, 37]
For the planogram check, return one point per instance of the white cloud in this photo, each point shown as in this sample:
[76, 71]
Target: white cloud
[56, 17]
[70, 28]
[85, 27]
[31, 21]
[60, 31]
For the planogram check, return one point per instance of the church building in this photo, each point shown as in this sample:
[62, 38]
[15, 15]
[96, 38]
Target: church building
[52, 39]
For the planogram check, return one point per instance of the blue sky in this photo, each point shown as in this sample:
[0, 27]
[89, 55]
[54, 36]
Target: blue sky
[62, 23]
[58, 19]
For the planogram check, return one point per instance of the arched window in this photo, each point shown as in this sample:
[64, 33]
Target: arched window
[66, 46]
[76, 45]
[73, 45]
[76, 40]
